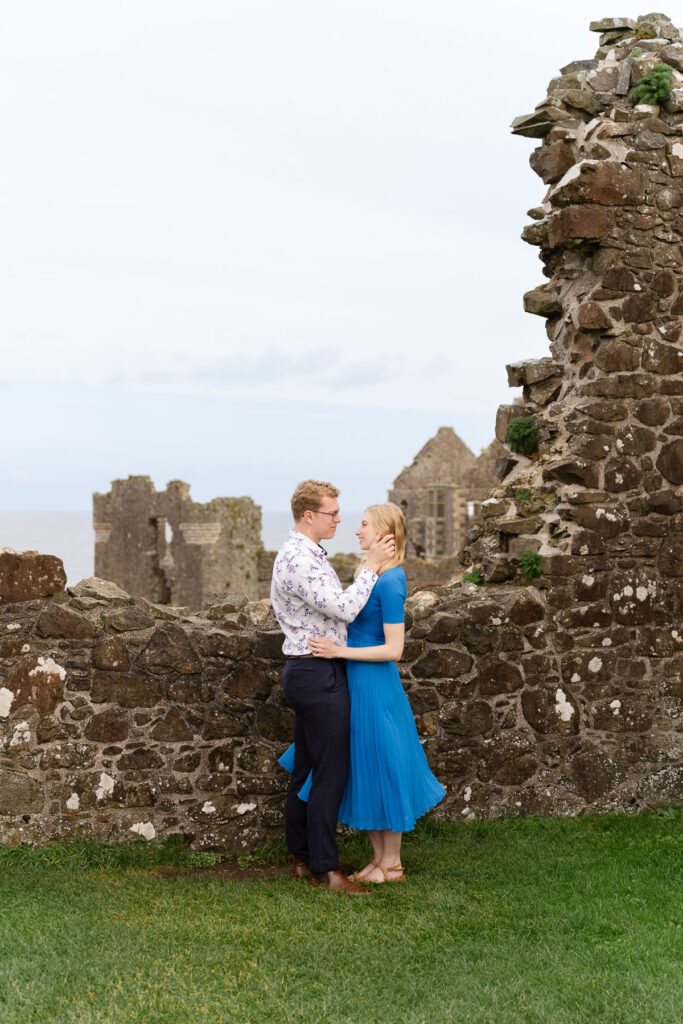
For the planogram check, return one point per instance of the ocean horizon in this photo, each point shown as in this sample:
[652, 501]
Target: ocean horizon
[69, 535]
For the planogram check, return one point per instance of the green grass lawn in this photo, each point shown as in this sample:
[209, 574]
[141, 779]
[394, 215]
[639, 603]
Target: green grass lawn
[553, 921]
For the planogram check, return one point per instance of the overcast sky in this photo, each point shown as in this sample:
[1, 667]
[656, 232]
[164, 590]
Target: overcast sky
[244, 243]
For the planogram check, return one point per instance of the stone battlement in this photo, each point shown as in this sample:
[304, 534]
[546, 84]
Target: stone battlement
[166, 547]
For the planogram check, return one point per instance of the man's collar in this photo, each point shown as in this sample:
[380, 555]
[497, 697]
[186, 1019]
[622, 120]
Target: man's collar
[303, 539]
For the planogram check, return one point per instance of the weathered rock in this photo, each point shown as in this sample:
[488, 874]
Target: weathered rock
[247, 681]
[100, 590]
[603, 182]
[173, 728]
[538, 124]
[111, 656]
[190, 691]
[130, 691]
[140, 759]
[592, 317]
[467, 719]
[551, 162]
[110, 726]
[621, 475]
[670, 461]
[579, 99]
[187, 762]
[126, 620]
[621, 715]
[571, 471]
[55, 620]
[531, 371]
[660, 358]
[542, 301]
[607, 24]
[26, 575]
[574, 225]
[445, 629]
[421, 604]
[503, 466]
[220, 724]
[498, 676]
[170, 648]
[638, 308]
[226, 645]
[20, 794]
[594, 773]
[275, 722]
[663, 788]
[526, 609]
[35, 680]
[653, 412]
[670, 557]
[444, 664]
[545, 391]
[550, 710]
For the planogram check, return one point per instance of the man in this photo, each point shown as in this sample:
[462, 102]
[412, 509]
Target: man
[308, 601]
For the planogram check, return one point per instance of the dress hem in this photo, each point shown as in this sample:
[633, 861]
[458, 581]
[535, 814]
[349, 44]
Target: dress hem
[406, 827]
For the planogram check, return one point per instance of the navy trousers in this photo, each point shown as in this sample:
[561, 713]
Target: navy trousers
[317, 690]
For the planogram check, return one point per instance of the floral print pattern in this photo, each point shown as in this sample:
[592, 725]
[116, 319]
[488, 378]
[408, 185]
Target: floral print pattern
[308, 598]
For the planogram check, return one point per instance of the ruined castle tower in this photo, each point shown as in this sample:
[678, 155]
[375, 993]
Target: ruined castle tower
[440, 491]
[598, 672]
[608, 404]
[163, 546]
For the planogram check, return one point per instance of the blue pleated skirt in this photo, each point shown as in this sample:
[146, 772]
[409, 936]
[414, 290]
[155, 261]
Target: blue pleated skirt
[390, 784]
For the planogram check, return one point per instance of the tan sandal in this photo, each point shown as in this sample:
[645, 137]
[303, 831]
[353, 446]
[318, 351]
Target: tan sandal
[386, 871]
[396, 867]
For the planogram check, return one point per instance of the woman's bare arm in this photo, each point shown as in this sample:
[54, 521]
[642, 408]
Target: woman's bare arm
[390, 650]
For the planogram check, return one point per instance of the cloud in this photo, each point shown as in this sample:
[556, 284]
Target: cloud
[322, 367]
[236, 369]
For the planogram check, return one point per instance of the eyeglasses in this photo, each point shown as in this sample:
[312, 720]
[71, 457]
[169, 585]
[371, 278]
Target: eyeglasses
[317, 512]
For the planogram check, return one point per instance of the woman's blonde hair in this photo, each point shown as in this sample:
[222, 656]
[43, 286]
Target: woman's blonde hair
[389, 518]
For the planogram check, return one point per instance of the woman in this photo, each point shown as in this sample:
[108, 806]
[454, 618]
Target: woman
[390, 784]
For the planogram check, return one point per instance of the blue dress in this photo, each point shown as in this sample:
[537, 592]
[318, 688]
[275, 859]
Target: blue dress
[390, 784]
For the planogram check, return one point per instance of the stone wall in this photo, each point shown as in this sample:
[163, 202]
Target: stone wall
[121, 718]
[165, 547]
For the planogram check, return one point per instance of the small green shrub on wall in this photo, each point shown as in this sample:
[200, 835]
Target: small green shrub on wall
[521, 435]
[655, 87]
[474, 576]
[530, 565]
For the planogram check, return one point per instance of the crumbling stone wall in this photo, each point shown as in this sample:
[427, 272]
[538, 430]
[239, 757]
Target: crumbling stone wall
[120, 718]
[163, 546]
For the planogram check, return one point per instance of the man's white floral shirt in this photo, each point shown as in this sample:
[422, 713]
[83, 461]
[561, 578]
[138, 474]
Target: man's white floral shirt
[308, 598]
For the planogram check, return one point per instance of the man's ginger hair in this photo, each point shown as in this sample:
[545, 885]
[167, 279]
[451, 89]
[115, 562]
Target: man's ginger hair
[309, 495]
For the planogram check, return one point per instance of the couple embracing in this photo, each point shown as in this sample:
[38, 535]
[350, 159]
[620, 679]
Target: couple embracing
[356, 756]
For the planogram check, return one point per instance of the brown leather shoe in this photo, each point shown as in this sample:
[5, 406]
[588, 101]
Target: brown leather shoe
[300, 868]
[336, 882]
